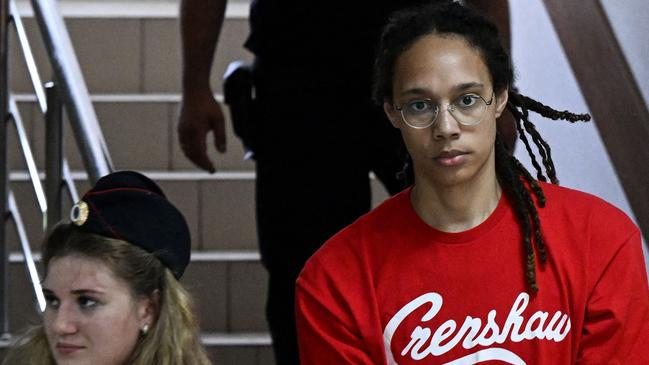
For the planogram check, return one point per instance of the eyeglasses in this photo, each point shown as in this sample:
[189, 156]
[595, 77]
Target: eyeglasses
[468, 109]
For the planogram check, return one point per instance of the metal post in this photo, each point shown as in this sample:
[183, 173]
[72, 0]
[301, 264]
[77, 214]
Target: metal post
[4, 170]
[53, 154]
[74, 92]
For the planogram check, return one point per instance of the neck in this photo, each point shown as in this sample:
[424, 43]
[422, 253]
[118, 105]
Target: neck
[456, 207]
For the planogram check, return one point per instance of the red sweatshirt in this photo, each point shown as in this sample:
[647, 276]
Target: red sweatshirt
[389, 289]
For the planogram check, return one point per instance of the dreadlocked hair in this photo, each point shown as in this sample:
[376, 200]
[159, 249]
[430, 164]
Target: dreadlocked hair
[518, 183]
[447, 18]
[520, 105]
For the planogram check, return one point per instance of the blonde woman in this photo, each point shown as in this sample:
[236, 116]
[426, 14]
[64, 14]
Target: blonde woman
[111, 283]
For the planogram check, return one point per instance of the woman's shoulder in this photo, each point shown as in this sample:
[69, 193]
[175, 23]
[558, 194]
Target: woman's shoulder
[585, 209]
[562, 196]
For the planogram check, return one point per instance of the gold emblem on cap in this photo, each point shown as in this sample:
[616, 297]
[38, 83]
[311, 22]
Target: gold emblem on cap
[79, 213]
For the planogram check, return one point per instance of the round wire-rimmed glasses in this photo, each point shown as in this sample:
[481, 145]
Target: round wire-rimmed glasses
[468, 109]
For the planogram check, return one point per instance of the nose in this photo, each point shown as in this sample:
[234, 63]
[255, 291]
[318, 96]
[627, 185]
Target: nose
[64, 321]
[446, 126]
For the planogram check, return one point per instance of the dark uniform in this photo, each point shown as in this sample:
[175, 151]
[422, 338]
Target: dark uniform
[316, 135]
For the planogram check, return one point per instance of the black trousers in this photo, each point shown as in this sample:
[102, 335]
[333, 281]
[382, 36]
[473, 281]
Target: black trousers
[314, 147]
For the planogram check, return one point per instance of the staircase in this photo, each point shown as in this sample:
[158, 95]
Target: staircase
[129, 54]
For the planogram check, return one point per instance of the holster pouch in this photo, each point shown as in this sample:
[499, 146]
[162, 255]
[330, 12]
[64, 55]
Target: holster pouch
[238, 92]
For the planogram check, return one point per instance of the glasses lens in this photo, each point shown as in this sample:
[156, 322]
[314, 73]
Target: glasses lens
[419, 113]
[469, 109]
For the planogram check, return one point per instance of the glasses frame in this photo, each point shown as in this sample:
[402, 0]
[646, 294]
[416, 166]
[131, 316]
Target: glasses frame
[450, 108]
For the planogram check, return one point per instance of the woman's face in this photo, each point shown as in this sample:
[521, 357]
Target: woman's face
[91, 316]
[442, 71]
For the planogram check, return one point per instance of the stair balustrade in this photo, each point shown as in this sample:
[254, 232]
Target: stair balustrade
[69, 91]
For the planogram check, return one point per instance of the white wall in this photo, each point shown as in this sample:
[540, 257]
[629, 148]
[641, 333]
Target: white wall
[543, 72]
[630, 23]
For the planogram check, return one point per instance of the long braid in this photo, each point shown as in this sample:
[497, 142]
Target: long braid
[519, 184]
[546, 111]
[525, 104]
[518, 116]
[538, 192]
[536, 224]
[542, 147]
[540, 197]
[514, 188]
[553, 114]
[522, 121]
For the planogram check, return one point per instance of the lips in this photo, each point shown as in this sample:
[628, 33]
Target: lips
[67, 349]
[451, 158]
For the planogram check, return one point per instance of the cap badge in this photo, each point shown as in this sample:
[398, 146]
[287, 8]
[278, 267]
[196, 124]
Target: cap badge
[79, 213]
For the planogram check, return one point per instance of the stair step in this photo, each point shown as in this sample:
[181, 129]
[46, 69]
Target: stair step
[196, 256]
[140, 132]
[131, 47]
[120, 97]
[236, 339]
[82, 176]
[128, 9]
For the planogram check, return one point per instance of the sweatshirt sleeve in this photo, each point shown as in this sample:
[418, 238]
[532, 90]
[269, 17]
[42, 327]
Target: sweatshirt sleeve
[616, 325]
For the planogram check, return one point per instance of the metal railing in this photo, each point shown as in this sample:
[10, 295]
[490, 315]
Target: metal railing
[67, 90]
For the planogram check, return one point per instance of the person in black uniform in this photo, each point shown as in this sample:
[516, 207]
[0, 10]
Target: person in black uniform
[314, 130]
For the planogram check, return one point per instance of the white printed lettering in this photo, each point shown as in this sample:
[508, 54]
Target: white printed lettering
[472, 333]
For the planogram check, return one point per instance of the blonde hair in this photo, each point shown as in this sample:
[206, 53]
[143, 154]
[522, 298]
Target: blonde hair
[31, 348]
[172, 340]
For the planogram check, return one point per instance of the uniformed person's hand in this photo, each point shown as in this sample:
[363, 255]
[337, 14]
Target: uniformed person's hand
[200, 114]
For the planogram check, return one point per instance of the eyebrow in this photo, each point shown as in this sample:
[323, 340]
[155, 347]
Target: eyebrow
[467, 85]
[76, 291]
[456, 88]
[86, 291]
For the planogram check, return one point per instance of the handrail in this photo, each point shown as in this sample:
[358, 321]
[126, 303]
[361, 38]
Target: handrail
[70, 91]
[4, 170]
[28, 157]
[73, 89]
[29, 57]
[57, 170]
[22, 237]
[54, 153]
[69, 182]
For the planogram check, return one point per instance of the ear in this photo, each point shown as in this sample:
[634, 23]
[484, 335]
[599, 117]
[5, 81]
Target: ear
[393, 114]
[148, 309]
[501, 101]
